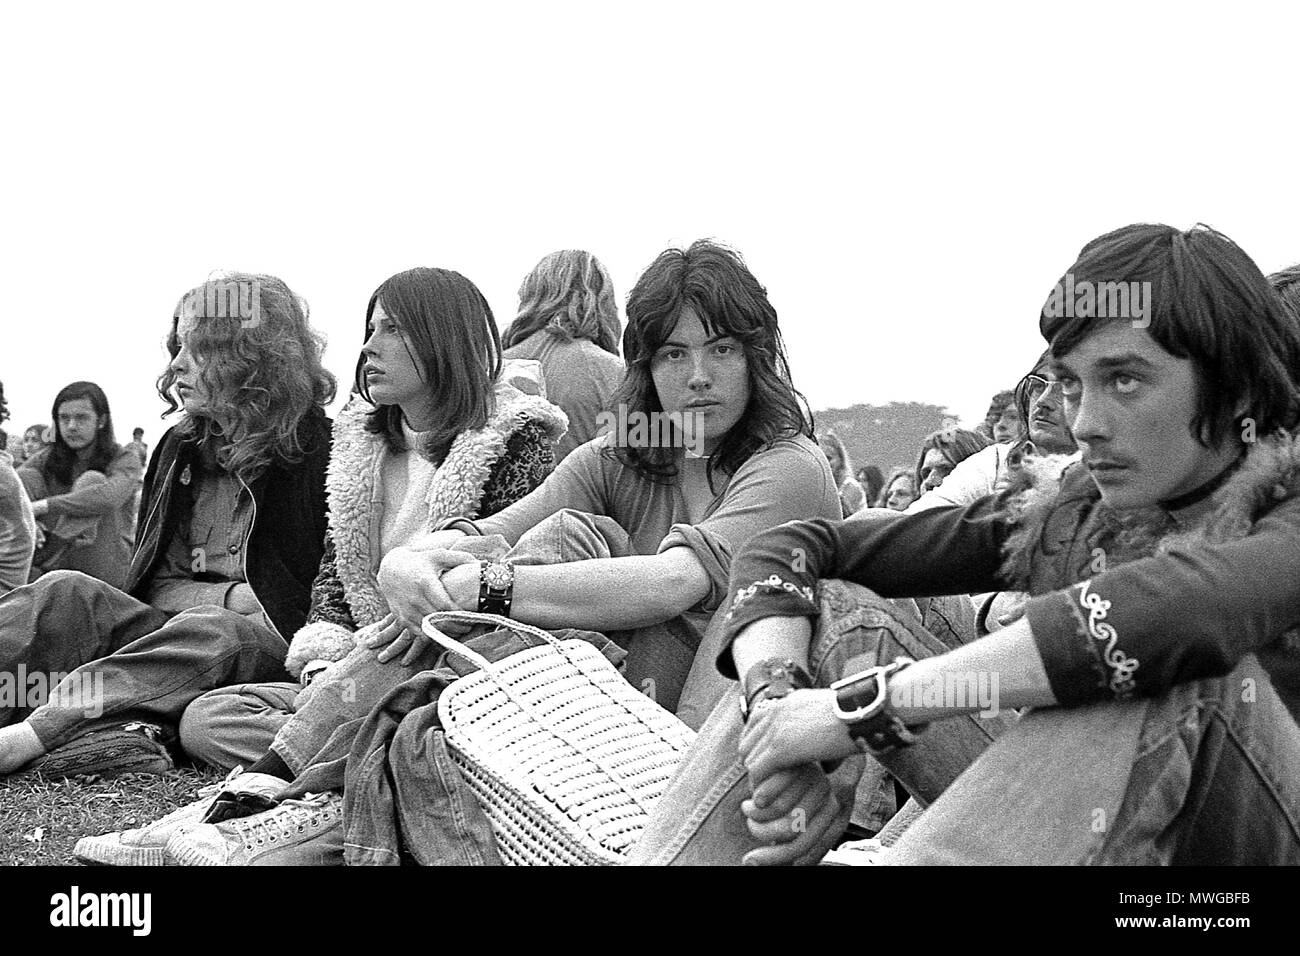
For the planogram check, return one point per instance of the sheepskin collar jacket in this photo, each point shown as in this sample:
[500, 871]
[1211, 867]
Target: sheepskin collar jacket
[1121, 604]
[486, 470]
[1209, 608]
[285, 543]
[1064, 532]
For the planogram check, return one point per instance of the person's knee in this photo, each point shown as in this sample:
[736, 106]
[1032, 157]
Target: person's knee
[571, 535]
[199, 730]
[857, 629]
[89, 479]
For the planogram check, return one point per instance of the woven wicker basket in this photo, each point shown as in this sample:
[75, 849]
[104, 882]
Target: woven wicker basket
[566, 758]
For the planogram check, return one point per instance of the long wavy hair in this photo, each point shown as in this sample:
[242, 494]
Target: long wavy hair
[262, 376]
[451, 337]
[846, 463]
[570, 295]
[715, 282]
[62, 459]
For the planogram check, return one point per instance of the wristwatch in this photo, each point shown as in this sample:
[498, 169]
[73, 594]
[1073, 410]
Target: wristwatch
[496, 587]
[862, 702]
[771, 679]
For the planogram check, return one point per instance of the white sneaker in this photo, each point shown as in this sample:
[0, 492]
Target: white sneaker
[855, 853]
[306, 832]
[147, 845]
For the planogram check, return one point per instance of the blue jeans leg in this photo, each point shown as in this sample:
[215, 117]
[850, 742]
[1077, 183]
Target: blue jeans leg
[1206, 773]
[698, 820]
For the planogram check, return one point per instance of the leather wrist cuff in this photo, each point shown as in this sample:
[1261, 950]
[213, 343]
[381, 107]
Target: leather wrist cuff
[771, 679]
[862, 702]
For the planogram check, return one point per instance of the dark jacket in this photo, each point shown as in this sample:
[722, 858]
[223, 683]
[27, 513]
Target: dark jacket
[288, 533]
[1120, 605]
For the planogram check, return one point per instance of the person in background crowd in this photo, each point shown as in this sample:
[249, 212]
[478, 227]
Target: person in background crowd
[899, 490]
[17, 526]
[33, 440]
[871, 480]
[568, 321]
[1287, 285]
[1000, 422]
[944, 450]
[232, 531]
[852, 497]
[139, 447]
[1039, 404]
[82, 489]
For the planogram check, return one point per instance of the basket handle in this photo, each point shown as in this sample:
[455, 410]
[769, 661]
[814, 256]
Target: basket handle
[429, 625]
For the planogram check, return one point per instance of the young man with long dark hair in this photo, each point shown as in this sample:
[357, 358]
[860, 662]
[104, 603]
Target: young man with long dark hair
[231, 529]
[83, 489]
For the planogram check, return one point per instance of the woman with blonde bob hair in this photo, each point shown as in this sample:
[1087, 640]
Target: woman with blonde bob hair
[568, 321]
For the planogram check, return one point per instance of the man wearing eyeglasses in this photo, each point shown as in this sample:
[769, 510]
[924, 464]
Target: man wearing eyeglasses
[1042, 413]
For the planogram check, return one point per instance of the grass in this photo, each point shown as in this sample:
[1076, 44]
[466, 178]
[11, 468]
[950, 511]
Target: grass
[41, 820]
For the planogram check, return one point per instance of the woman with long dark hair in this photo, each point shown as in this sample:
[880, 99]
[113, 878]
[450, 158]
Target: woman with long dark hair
[83, 488]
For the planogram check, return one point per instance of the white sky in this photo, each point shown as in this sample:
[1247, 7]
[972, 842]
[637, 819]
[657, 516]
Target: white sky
[908, 182]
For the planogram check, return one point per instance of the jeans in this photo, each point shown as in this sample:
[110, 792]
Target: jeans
[698, 820]
[1207, 773]
[121, 657]
[231, 723]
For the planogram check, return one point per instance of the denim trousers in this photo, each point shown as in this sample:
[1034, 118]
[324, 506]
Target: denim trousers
[698, 820]
[232, 725]
[121, 657]
[1208, 773]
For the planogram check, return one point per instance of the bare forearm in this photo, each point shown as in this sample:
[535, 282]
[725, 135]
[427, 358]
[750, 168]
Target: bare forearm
[784, 637]
[600, 594]
[1001, 671]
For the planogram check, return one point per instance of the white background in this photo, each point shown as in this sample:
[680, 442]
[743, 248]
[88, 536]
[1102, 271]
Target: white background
[907, 182]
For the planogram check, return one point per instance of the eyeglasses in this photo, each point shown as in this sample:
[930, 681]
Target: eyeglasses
[1034, 385]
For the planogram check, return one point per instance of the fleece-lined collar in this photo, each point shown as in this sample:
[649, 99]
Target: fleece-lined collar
[456, 489]
[1269, 475]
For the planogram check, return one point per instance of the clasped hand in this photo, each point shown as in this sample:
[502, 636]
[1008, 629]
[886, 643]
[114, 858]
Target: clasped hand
[411, 581]
[794, 807]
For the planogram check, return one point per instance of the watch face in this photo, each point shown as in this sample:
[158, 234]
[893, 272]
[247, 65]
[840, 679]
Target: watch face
[497, 576]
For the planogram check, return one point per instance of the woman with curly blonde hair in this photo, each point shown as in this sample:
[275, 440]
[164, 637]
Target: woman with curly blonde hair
[231, 533]
[568, 321]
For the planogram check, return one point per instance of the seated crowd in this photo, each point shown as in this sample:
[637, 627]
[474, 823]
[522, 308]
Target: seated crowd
[1112, 555]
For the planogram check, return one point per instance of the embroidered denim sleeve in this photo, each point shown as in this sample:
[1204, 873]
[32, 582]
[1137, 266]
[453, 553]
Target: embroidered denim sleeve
[1103, 640]
[775, 587]
[1079, 643]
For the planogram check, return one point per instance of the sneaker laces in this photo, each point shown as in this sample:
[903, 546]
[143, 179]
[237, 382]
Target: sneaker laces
[289, 819]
